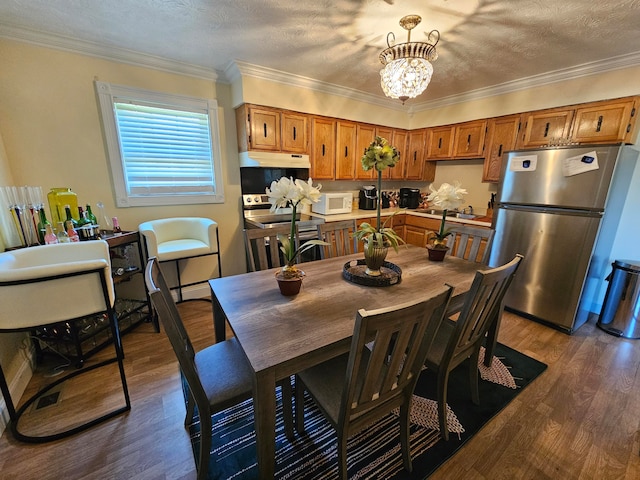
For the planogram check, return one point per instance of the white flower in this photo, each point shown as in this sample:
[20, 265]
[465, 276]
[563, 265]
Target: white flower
[447, 197]
[282, 193]
[308, 193]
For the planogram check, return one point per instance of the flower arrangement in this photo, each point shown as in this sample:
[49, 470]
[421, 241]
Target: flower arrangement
[447, 197]
[379, 155]
[288, 192]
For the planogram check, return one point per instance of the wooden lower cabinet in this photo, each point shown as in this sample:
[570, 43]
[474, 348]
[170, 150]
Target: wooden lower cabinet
[416, 229]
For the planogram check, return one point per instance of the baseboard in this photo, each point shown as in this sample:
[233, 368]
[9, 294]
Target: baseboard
[18, 385]
[194, 291]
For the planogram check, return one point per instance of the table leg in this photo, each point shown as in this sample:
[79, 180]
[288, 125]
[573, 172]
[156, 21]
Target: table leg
[219, 319]
[264, 405]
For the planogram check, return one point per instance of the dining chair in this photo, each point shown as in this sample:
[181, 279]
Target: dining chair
[470, 243]
[216, 377]
[457, 341]
[378, 374]
[263, 248]
[340, 237]
[182, 238]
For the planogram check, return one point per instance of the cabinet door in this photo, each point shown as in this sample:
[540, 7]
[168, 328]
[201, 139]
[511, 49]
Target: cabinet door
[365, 134]
[415, 236]
[544, 127]
[345, 150]
[469, 139]
[264, 128]
[441, 142]
[413, 166]
[323, 148]
[295, 133]
[429, 171]
[502, 134]
[603, 122]
[400, 142]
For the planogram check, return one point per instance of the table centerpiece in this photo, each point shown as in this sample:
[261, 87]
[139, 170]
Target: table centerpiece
[447, 197]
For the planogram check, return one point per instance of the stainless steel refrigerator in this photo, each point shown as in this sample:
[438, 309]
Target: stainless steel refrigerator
[562, 208]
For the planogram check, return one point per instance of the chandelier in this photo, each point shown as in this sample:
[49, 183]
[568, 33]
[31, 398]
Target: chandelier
[407, 69]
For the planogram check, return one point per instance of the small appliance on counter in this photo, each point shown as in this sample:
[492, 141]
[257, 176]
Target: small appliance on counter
[333, 203]
[409, 198]
[368, 197]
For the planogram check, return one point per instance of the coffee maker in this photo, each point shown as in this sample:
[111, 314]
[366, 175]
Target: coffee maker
[409, 198]
[368, 198]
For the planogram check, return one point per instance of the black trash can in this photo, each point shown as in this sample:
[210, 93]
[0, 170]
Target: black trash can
[620, 314]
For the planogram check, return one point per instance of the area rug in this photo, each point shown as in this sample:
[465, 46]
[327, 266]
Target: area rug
[374, 453]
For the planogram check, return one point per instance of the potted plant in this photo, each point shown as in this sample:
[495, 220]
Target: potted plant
[447, 197]
[379, 155]
[288, 192]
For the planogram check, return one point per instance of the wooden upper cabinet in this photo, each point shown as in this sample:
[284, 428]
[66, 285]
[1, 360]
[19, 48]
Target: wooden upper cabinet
[416, 157]
[323, 148]
[345, 150]
[502, 134]
[365, 134]
[440, 144]
[469, 139]
[611, 121]
[544, 127]
[398, 140]
[271, 130]
[295, 133]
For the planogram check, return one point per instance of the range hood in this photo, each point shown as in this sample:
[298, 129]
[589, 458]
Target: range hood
[274, 160]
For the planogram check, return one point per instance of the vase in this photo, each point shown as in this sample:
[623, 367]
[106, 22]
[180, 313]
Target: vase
[436, 254]
[374, 258]
[289, 284]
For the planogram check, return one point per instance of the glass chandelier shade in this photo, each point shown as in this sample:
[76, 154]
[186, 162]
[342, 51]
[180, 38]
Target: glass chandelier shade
[407, 67]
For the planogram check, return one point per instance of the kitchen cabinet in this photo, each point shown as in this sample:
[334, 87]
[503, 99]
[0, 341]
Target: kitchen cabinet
[605, 122]
[544, 127]
[323, 148]
[415, 161]
[80, 339]
[440, 144]
[417, 229]
[429, 171]
[345, 150]
[469, 139]
[271, 129]
[365, 134]
[400, 142]
[502, 134]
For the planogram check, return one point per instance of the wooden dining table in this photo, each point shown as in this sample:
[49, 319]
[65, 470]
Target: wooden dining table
[283, 335]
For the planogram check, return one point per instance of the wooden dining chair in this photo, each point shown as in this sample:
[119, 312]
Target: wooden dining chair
[458, 341]
[340, 237]
[469, 242]
[377, 375]
[217, 377]
[262, 247]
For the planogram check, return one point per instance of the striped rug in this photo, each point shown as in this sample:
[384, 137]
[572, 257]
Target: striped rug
[374, 453]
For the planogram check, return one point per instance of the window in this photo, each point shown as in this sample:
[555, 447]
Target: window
[163, 149]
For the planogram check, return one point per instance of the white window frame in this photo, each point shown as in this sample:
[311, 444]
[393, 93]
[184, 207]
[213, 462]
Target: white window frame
[107, 95]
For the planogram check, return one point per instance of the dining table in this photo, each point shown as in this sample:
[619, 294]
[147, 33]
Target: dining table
[282, 335]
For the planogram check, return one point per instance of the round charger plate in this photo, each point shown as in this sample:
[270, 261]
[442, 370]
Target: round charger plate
[354, 271]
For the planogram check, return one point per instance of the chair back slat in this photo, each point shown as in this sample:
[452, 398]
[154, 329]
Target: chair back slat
[388, 349]
[263, 248]
[470, 243]
[340, 237]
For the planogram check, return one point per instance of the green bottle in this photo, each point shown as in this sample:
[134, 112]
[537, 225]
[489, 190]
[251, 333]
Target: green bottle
[42, 225]
[91, 216]
[67, 211]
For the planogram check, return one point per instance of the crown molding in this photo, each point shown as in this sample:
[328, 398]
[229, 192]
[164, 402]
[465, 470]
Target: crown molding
[117, 54]
[586, 69]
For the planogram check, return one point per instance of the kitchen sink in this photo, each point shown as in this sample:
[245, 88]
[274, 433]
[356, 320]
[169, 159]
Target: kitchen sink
[434, 211]
[467, 216]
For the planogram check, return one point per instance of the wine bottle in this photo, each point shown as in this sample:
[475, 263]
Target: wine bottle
[42, 224]
[61, 234]
[71, 232]
[67, 210]
[116, 226]
[81, 220]
[91, 216]
[49, 237]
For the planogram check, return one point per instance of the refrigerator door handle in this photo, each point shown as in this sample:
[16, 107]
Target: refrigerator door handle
[552, 210]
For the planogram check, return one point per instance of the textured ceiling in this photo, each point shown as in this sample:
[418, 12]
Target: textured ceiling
[484, 43]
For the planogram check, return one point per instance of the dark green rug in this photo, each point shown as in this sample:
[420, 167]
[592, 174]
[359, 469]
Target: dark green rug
[373, 453]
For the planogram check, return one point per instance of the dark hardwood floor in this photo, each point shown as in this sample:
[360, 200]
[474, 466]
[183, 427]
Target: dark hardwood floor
[579, 420]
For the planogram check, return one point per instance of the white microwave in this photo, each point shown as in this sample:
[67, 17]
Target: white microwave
[332, 203]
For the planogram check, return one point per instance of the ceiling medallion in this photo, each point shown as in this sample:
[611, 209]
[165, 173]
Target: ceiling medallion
[407, 69]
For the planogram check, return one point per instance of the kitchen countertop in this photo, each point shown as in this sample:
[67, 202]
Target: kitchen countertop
[358, 214]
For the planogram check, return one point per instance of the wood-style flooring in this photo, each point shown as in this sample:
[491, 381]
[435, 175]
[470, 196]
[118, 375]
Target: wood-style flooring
[579, 420]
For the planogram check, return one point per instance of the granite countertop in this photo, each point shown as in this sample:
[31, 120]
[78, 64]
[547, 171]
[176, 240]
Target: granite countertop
[357, 214]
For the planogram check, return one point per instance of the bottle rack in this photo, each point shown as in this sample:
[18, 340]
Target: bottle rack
[78, 339]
